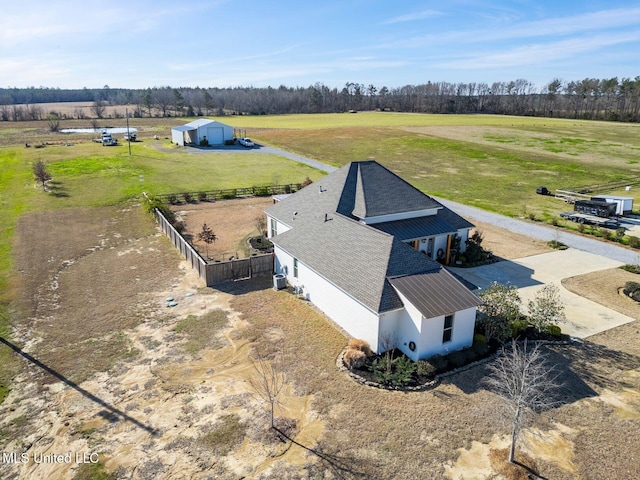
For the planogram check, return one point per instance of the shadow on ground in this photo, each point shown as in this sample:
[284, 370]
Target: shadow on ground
[583, 369]
[110, 413]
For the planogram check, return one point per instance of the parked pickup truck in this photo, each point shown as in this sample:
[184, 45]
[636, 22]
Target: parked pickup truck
[130, 137]
[246, 142]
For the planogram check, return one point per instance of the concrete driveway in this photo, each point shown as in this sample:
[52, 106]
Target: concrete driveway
[529, 274]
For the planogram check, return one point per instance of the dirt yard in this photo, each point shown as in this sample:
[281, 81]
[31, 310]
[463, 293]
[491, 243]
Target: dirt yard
[233, 222]
[160, 392]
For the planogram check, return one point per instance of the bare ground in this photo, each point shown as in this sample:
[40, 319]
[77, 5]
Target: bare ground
[152, 410]
[233, 222]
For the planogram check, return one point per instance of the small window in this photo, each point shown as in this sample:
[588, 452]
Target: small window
[295, 268]
[448, 329]
[274, 227]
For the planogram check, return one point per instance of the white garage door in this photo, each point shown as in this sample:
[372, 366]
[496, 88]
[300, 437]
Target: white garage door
[215, 135]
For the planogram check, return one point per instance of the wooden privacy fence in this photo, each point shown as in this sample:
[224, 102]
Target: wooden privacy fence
[217, 272]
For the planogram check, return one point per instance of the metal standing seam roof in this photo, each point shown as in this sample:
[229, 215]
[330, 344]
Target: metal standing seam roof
[183, 128]
[435, 293]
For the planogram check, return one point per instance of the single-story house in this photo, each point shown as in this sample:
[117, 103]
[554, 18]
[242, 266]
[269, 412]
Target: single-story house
[367, 248]
[194, 132]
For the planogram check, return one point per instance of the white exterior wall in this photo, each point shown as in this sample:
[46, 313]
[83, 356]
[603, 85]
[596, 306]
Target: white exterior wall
[440, 243]
[462, 337]
[281, 227]
[426, 333]
[400, 216]
[355, 318]
[463, 233]
[177, 137]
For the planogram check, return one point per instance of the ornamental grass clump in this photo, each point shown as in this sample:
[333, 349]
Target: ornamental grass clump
[362, 345]
[354, 358]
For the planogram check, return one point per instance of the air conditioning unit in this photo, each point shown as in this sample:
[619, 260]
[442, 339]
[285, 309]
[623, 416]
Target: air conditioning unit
[279, 281]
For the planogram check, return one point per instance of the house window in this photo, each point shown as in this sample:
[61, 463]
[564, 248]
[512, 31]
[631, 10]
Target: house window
[274, 227]
[295, 268]
[447, 333]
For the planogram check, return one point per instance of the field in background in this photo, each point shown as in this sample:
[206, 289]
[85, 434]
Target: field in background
[495, 163]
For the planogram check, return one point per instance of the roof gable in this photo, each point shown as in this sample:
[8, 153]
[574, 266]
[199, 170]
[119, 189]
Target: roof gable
[357, 190]
[201, 122]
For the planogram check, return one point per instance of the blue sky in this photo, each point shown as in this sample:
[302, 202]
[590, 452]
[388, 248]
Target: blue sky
[140, 43]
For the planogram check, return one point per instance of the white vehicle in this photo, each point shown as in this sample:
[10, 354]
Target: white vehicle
[246, 142]
[130, 137]
[108, 140]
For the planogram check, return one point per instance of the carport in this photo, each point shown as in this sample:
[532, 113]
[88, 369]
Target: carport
[184, 135]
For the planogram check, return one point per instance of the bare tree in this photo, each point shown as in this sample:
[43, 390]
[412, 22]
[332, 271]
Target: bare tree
[525, 382]
[207, 236]
[261, 224]
[98, 108]
[53, 119]
[388, 343]
[163, 98]
[268, 381]
[41, 173]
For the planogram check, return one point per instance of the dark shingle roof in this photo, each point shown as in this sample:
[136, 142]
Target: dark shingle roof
[418, 227]
[359, 189]
[435, 293]
[381, 192]
[357, 258]
[354, 257]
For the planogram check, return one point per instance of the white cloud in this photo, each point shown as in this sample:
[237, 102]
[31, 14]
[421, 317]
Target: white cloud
[412, 17]
[542, 53]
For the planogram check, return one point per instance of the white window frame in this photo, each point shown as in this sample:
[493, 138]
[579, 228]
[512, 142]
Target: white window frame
[448, 331]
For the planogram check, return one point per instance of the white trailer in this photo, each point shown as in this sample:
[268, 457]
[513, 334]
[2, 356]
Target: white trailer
[624, 205]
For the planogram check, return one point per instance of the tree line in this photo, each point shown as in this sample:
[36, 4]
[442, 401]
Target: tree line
[594, 99]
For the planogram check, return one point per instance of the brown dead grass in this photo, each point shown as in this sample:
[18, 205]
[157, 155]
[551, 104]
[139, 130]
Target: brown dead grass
[73, 291]
[512, 471]
[603, 287]
[112, 261]
[509, 245]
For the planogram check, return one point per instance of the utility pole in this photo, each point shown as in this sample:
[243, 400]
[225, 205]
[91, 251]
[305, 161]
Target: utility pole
[126, 110]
